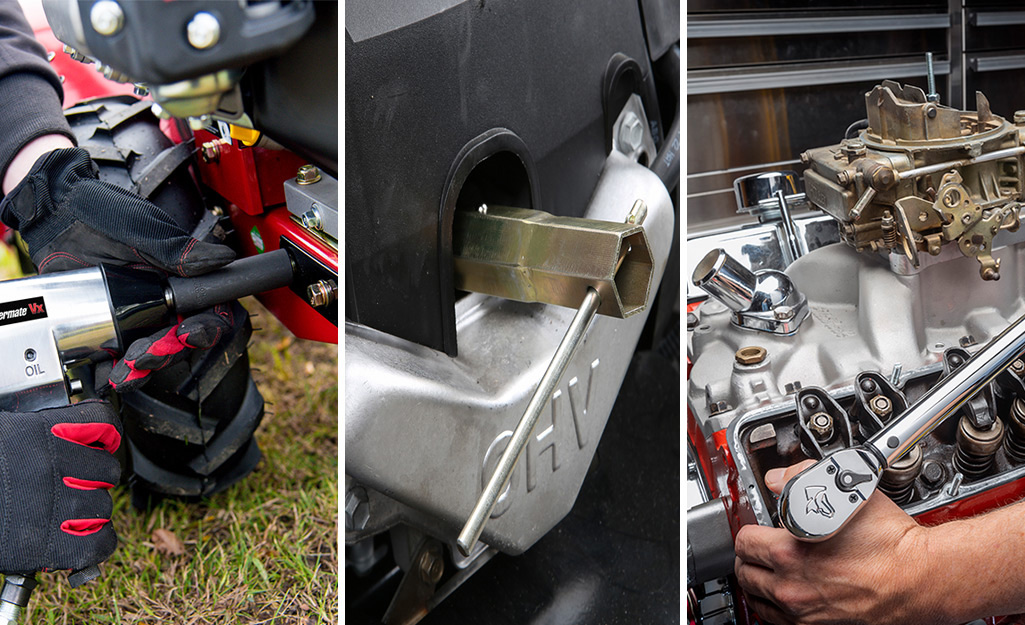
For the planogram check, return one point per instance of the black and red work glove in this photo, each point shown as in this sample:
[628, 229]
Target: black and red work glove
[70, 219]
[56, 467]
[163, 349]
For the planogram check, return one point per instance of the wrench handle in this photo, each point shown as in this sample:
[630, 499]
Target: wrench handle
[944, 399]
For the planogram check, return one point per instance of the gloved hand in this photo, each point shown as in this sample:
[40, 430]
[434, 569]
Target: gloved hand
[167, 347]
[55, 467]
[70, 220]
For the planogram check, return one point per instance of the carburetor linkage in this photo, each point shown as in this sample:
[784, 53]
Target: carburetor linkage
[823, 498]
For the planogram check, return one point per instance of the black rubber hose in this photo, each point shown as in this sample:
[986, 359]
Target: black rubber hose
[667, 163]
[855, 128]
[248, 276]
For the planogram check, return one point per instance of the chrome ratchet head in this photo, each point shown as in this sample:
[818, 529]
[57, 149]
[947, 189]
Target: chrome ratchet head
[824, 497]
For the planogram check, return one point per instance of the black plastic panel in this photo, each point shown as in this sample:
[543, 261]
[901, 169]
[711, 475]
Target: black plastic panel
[417, 95]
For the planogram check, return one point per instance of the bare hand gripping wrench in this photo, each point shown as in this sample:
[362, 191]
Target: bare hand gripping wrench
[822, 499]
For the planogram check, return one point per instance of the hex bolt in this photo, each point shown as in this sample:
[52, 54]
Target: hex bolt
[718, 407]
[821, 425]
[307, 174]
[750, 355]
[1019, 118]
[75, 54]
[203, 31]
[843, 177]
[311, 219]
[783, 313]
[140, 90]
[357, 509]
[631, 134]
[431, 567]
[933, 473]
[1018, 366]
[107, 17]
[321, 293]
[881, 405]
[211, 151]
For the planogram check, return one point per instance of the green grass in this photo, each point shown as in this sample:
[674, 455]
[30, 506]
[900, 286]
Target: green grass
[264, 551]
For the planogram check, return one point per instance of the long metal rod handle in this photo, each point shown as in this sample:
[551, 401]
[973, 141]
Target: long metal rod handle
[549, 381]
[945, 398]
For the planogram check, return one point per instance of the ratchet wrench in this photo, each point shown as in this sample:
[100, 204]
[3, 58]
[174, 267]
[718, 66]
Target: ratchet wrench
[822, 499]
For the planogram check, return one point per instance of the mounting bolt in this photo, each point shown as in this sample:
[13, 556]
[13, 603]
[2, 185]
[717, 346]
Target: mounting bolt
[431, 567]
[321, 293]
[203, 30]
[933, 474]
[311, 219]
[75, 54]
[843, 177]
[308, 174]
[1018, 366]
[1019, 118]
[357, 509]
[718, 407]
[106, 17]
[141, 90]
[211, 151]
[805, 158]
[783, 313]
[631, 134]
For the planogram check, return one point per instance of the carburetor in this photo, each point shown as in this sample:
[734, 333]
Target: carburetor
[921, 175]
[858, 336]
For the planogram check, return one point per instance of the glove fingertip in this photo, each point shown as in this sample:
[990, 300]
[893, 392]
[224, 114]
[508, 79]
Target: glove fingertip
[200, 257]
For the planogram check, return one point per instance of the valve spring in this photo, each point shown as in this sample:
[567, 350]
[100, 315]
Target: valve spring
[889, 230]
[898, 481]
[976, 448]
[1015, 443]
[900, 494]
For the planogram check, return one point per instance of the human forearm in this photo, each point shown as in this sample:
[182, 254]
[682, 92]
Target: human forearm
[27, 156]
[978, 565]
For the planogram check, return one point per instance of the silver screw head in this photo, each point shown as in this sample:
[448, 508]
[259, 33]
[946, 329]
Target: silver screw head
[106, 17]
[630, 133]
[783, 313]
[203, 31]
[311, 219]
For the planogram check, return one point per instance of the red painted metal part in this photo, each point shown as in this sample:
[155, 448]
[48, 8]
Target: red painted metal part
[293, 311]
[251, 178]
